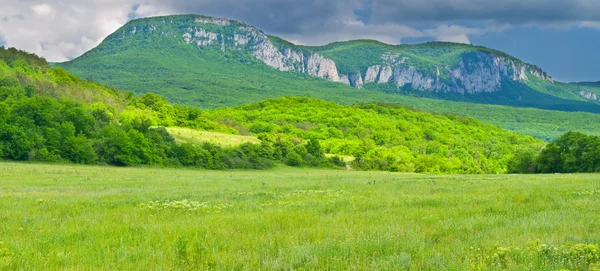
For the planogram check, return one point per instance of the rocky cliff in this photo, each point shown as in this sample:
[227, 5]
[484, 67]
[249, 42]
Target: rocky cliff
[471, 71]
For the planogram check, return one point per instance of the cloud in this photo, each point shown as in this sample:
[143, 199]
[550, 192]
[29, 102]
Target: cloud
[354, 29]
[9, 18]
[42, 9]
[60, 30]
[589, 24]
[453, 33]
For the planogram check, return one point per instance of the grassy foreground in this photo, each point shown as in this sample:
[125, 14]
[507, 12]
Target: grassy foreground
[82, 218]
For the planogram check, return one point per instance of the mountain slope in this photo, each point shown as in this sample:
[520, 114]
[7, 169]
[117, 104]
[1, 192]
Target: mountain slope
[26, 74]
[210, 62]
[589, 90]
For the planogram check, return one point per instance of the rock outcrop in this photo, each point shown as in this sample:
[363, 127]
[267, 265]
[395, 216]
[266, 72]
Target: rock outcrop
[589, 95]
[477, 72]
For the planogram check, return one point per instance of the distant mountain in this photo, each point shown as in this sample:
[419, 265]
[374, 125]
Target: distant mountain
[589, 84]
[211, 62]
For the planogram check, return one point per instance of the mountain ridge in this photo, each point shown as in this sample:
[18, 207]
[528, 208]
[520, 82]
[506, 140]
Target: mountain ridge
[436, 69]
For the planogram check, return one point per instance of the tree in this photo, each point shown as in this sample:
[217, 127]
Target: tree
[293, 159]
[314, 148]
[550, 160]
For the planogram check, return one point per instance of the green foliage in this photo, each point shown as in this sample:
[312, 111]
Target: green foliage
[524, 161]
[116, 129]
[572, 152]
[24, 74]
[380, 136]
[539, 256]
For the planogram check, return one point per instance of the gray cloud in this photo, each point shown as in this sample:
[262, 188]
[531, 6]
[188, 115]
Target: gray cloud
[6, 19]
[63, 29]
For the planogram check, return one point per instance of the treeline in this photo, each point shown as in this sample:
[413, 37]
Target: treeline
[35, 126]
[382, 136]
[10, 55]
[571, 153]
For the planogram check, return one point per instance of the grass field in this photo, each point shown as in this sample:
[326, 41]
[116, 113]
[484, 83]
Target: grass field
[186, 135]
[102, 218]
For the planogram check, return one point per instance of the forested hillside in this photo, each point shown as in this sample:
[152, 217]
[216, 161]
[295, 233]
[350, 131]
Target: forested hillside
[382, 136]
[43, 118]
[219, 63]
[49, 115]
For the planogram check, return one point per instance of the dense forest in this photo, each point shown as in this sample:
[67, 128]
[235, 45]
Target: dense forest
[49, 115]
[571, 153]
[38, 122]
[382, 136]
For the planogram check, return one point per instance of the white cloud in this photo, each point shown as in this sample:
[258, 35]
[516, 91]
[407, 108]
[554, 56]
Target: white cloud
[42, 9]
[62, 30]
[454, 33]
[147, 10]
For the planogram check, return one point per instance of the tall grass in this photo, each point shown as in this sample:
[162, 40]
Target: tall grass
[100, 218]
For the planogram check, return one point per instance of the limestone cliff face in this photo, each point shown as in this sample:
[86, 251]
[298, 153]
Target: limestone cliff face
[589, 95]
[475, 71]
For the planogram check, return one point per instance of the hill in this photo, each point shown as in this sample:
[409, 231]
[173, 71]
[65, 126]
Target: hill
[209, 63]
[52, 126]
[381, 136]
[22, 73]
[49, 115]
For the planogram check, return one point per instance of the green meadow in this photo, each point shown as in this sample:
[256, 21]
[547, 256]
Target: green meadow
[105, 218]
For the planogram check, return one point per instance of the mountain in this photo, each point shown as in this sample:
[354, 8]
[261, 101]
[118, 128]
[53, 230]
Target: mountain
[212, 62]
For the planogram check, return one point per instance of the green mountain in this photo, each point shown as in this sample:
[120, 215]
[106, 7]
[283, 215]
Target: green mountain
[210, 62]
[49, 115]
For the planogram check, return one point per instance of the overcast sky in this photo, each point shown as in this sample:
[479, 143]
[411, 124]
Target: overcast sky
[561, 36]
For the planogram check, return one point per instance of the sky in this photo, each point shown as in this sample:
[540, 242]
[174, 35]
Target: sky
[560, 36]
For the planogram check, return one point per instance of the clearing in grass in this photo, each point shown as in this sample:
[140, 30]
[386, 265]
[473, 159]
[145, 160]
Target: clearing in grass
[186, 135]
